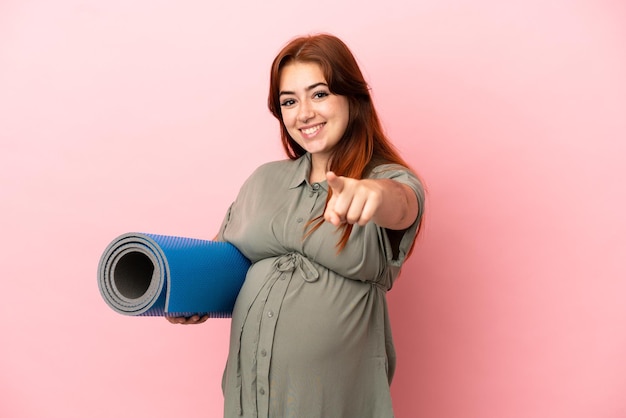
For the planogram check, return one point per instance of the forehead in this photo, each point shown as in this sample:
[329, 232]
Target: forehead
[300, 75]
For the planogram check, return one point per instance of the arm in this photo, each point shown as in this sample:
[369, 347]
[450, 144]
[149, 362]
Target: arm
[387, 203]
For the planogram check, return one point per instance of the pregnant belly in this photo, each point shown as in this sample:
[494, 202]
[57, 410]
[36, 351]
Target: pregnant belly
[313, 315]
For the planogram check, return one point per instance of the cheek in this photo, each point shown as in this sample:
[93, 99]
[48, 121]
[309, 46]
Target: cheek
[345, 118]
[342, 109]
[288, 119]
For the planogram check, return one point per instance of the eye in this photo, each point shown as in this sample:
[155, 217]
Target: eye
[320, 94]
[287, 102]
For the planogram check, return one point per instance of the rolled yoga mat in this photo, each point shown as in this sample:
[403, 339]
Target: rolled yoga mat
[157, 275]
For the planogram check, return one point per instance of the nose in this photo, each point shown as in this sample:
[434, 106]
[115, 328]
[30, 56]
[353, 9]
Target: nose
[305, 111]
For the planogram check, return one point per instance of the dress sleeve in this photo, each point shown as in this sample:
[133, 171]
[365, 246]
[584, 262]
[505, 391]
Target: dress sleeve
[232, 219]
[232, 212]
[397, 244]
[220, 234]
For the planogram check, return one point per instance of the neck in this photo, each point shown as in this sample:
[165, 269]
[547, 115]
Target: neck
[319, 166]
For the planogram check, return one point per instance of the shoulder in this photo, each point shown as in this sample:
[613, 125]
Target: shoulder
[400, 174]
[272, 170]
[273, 174]
[391, 171]
[273, 167]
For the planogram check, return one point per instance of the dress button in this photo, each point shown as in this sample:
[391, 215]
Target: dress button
[262, 391]
[263, 352]
[299, 220]
[316, 186]
[270, 314]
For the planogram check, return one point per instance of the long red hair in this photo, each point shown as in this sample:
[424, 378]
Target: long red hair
[364, 144]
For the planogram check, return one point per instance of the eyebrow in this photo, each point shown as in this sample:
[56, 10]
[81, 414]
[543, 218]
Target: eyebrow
[311, 87]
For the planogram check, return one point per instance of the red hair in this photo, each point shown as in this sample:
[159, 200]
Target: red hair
[364, 144]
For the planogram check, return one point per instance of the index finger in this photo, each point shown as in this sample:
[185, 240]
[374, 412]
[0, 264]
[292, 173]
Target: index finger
[335, 182]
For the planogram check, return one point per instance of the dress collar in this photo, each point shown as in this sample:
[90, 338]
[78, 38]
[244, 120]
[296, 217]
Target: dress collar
[302, 172]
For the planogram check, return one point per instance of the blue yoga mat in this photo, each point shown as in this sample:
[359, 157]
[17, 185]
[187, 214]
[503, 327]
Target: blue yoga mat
[157, 275]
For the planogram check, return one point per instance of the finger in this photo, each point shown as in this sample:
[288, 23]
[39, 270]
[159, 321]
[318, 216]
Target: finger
[329, 213]
[340, 203]
[197, 319]
[337, 208]
[335, 182]
[332, 217]
[176, 319]
[191, 320]
[367, 212]
[354, 212]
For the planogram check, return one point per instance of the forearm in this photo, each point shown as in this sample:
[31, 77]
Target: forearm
[398, 207]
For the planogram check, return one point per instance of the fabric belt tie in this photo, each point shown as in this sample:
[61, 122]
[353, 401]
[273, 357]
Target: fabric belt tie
[297, 263]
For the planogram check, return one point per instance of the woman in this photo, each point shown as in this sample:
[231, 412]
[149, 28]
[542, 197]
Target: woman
[327, 231]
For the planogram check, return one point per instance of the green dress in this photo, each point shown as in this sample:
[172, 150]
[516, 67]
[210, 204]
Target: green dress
[310, 334]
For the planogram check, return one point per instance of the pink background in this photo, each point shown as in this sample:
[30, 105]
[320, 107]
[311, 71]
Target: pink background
[148, 115]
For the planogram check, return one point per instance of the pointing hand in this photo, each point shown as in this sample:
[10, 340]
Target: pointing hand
[353, 201]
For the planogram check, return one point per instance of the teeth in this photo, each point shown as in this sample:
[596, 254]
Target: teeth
[312, 130]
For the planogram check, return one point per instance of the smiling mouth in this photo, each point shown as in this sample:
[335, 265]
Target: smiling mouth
[311, 130]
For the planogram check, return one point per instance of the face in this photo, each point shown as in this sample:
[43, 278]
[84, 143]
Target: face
[314, 117]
